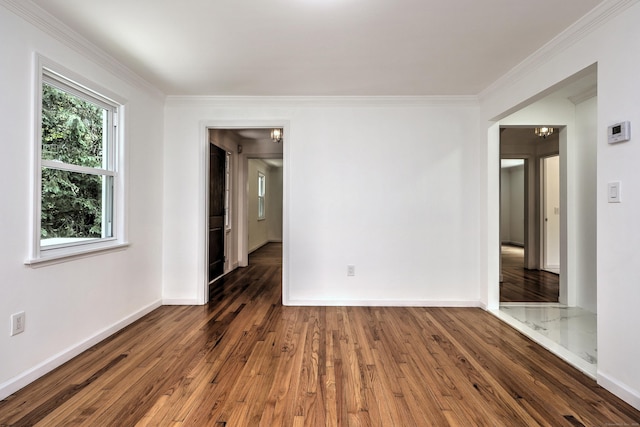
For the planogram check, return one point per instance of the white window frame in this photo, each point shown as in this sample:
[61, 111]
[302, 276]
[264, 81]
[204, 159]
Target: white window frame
[262, 190]
[49, 72]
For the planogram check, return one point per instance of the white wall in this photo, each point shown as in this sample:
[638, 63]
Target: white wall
[71, 305]
[608, 44]
[516, 224]
[586, 165]
[388, 185]
[274, 204]
[505, 205]
[512, 205]
[512, 215]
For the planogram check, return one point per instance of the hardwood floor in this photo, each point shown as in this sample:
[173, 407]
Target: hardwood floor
[246, 360]
[522, 285]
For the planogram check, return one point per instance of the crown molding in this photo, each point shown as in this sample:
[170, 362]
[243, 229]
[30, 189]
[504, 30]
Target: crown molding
[55, 28]
[324, 101]
[597, 17]
[584, 95]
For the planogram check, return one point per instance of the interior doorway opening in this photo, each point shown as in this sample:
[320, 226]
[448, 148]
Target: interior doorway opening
[567, 328]
[234, 197]
[523, 186]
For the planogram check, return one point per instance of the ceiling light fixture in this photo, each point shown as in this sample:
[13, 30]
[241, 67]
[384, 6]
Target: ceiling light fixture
[276, 135]
[544, 132]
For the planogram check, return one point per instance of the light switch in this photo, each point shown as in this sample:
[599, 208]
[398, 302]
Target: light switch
[613, 192]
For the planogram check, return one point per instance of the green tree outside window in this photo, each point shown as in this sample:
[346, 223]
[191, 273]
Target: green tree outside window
[73, 132]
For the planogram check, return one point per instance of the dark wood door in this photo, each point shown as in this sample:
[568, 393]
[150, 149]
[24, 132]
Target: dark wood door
[217, 160]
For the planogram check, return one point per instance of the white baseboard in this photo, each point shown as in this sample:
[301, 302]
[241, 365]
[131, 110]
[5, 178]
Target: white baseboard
[382, 303]
[632, 397]
[27, 377]
[180, 301]
[258, 246]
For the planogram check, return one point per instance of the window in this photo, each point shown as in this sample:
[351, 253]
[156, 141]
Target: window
[261, 193]
[78, 188]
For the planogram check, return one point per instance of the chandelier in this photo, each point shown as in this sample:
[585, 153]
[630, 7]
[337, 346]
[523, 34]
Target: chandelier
[276, 135]
[544, 132]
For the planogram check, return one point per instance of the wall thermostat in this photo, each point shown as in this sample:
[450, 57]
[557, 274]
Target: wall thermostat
[619, 132]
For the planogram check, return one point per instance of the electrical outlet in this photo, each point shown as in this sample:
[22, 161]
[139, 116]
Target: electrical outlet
[17, 323]
[351, 270]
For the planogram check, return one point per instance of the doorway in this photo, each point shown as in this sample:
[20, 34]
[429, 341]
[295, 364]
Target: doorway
[573, 103]
[522, 188]
[229, 198]
[218, 167]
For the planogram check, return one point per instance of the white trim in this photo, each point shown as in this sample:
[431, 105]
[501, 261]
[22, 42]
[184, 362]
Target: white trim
[323, 101]
[203, 191]
[182, 301]
[52, 164]
[36, 153]
[46, 70]
[597, 17]
[632, 397]
[44, 65]
[71, 253]
[383, 303]
[16, 383]
[60, 31]
[585, 95]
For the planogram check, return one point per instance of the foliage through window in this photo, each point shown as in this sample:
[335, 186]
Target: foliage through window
[78, 167]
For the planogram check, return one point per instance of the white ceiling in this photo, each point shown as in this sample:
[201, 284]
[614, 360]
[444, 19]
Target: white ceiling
[319, 47]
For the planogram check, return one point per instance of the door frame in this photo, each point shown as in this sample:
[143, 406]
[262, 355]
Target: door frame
[567, 286]
[239, 195]
[543, 211]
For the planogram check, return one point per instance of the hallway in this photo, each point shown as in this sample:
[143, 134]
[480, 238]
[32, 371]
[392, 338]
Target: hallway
[522, 285]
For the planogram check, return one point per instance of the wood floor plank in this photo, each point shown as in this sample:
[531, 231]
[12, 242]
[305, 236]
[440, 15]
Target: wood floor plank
[246, 360]
[523, 285]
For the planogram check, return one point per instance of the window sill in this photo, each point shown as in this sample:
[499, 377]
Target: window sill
[70, 255]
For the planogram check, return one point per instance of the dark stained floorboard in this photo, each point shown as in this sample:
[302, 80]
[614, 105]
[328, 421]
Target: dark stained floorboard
[522, 285]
